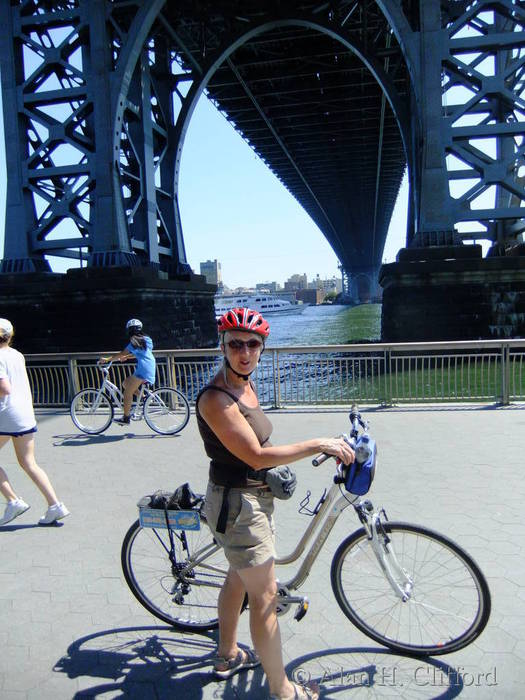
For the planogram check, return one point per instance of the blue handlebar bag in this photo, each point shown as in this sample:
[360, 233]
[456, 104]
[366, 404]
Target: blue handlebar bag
[360, 475]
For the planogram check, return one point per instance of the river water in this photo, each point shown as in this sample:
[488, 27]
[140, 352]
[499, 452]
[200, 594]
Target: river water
[326, 325]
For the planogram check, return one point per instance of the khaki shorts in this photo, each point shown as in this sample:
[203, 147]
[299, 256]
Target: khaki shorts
[249, 539]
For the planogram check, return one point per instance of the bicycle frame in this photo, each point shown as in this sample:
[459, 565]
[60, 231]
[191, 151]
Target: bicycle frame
[117, 395]
[328, 509]
[327, 512]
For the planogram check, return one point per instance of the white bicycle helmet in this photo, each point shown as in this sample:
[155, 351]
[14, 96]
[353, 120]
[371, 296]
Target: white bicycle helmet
[134, 325]
[6, 326]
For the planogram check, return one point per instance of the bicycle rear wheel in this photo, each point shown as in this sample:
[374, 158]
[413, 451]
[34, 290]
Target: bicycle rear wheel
[449, 603]
[186, 600]
[166, 411]
[91, 411]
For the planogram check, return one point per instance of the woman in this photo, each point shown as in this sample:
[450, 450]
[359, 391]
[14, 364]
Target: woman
[17, 423]
[239, 505]
[140, 346]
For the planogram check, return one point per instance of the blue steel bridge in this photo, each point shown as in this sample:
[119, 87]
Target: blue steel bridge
[338, 99]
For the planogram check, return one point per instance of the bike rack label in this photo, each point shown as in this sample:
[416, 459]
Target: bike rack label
[178, 519]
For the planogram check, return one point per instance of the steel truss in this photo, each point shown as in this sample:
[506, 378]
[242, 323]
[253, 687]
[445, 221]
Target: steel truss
[334, 97]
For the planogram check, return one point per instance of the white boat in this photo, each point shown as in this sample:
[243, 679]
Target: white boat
[266, 304]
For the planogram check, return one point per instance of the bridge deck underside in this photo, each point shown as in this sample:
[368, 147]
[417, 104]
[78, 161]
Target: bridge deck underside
[314, 113]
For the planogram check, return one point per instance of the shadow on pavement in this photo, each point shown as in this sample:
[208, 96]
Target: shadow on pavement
[377, 671]
[81, 439]
[143, 662]
[151, 661]
[12, 528]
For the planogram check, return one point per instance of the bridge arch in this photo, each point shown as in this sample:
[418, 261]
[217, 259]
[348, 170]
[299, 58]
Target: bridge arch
[233, 42]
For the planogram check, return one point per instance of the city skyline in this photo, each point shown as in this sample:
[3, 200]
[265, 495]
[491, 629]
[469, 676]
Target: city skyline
[211, 269]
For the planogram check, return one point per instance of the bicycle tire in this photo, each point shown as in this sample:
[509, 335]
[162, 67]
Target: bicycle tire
[166, 411]
[84, 416]
[450, 600]
[153, 580]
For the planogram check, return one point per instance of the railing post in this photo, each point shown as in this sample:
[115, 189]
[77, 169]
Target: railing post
[505, 374]
[74, 383]
[388, 377]
[170, 368]
[276, 379]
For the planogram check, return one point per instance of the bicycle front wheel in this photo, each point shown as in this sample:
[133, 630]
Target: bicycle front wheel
[91, 411]
[166, 411]
[180, 587]
[448, 604]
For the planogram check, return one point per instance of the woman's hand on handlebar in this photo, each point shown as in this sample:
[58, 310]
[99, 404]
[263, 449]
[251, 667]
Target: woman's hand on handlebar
[104, 360]
[339, 448]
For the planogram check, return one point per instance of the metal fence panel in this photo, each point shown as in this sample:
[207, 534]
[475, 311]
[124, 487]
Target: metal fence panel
[482, 371]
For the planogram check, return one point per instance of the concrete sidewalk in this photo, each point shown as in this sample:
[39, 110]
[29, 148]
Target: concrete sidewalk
[70, 628]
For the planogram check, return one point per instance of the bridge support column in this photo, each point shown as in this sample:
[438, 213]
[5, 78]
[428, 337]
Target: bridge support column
[452, 293]
[361, 286]
[86, 309]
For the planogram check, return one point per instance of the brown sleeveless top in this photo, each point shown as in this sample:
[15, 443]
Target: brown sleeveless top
[225, 468]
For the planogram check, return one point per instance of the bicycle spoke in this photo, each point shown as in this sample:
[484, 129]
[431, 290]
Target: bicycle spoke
[448, 601]
[184, 595]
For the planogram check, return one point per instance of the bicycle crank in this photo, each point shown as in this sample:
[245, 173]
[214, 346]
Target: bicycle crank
[285, 600]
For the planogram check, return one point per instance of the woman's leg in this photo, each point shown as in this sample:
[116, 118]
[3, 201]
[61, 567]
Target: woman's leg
[259, 582]
[130, 386]
[231, 599]
[25, 453]
[5, 487]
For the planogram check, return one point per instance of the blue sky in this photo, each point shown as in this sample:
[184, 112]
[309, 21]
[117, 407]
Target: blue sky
[235, 210]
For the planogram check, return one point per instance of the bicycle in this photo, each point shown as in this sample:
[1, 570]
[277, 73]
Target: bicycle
[405, 586]
[165, 410]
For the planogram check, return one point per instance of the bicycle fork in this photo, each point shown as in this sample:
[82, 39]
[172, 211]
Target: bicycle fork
[399, 579]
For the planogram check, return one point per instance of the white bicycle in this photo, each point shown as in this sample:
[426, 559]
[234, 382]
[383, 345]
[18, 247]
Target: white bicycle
[405, 586]
[165, 410]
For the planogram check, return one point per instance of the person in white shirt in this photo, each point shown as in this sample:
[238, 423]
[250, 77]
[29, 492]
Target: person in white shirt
[17, 423]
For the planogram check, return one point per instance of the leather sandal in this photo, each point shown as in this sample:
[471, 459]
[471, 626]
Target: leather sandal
[310, 691]
[244, 660]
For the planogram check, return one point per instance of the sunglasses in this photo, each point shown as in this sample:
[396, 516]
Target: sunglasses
[240, 344]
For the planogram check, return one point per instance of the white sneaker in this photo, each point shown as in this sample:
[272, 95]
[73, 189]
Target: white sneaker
[54, 513]
[13, 509]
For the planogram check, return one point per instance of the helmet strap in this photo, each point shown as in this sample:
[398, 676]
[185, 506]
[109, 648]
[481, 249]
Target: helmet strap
[245, 377]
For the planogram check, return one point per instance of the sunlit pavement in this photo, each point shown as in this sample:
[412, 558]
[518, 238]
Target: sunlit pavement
[70, 628]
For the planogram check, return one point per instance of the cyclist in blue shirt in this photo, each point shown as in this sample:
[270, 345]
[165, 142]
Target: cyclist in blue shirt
[140, 347]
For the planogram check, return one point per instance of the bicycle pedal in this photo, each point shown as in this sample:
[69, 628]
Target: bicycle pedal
[302, 609]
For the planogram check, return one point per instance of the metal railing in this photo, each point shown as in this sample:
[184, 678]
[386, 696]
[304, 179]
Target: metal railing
[484, 371]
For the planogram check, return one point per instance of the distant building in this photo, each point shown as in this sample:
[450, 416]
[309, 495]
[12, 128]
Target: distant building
[296, 282]
[310, 296]
[331, 285]
[269, 287]
[211, 269]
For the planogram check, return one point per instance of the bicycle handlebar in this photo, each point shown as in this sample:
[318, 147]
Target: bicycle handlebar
[357, 422]
[317, 461]
[104, 365]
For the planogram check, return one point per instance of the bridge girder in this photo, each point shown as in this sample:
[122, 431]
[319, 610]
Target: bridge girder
[336, 98]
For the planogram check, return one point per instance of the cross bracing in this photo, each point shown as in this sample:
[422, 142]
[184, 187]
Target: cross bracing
[337, 98]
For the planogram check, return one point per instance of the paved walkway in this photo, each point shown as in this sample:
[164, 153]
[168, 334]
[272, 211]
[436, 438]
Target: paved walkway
[69, 627]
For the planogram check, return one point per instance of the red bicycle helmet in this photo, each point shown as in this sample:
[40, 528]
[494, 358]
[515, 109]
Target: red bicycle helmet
[241, 319]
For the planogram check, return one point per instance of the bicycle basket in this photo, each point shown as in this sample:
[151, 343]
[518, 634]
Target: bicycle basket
[183, 498]
[360, 474]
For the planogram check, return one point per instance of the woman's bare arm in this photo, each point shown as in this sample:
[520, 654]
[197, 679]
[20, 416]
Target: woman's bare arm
[5, 387]
[123, 355]
[222, 414]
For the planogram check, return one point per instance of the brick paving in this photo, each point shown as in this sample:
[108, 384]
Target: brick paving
[69, 627]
